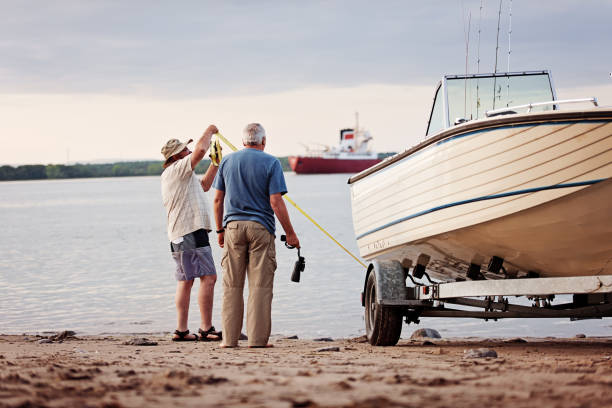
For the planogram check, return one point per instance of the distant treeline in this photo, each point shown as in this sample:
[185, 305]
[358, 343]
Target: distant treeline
[121, 169]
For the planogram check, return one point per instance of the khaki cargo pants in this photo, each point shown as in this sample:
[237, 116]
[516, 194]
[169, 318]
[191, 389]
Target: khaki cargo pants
[248, 251]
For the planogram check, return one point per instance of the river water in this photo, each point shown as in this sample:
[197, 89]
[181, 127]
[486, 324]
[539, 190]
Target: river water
[91, 255]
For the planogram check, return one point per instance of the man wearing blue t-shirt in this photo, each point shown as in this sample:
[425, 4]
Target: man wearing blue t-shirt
[249, 187]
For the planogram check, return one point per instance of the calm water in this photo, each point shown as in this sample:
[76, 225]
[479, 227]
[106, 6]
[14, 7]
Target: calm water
[91, 255]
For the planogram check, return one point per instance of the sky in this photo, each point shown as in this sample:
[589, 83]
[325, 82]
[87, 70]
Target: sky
[93, 81]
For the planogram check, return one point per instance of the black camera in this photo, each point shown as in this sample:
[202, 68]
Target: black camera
[298, 268]
[300, 264]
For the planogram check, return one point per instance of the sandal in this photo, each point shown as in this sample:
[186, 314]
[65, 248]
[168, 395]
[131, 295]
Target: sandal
[182, 336]
[205, 333]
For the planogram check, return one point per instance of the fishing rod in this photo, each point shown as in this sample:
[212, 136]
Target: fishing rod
[467, 54]
[293, 203]
[496, 52]
[509, 52]
[478, 62]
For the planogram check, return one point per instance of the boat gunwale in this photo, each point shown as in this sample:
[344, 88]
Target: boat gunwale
[592, 114]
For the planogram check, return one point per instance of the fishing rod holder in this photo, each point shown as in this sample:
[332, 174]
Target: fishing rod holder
[300, 264]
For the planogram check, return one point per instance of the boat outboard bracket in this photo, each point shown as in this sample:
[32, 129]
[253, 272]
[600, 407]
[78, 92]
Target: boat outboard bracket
[421, 264]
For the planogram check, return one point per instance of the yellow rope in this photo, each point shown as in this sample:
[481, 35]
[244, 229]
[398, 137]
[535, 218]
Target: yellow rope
[293, 203]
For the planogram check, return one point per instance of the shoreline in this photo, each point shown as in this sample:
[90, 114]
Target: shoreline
[117, 371]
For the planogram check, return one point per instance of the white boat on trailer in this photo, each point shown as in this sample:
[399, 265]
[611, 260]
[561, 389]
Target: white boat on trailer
[498, 202]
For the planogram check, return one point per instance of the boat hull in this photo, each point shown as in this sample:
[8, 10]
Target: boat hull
[322, 165]
[534, 192]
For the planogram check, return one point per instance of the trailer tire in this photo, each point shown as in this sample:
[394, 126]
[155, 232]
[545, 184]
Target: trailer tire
[383, 323]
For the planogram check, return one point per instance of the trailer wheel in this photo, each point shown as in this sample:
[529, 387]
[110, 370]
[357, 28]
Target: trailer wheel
[383, 323]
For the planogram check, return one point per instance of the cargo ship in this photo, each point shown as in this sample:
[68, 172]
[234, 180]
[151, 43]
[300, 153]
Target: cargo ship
[352, 155]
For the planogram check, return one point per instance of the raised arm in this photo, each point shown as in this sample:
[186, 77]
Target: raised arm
[202, 145]
[209, 177]
[278, 205]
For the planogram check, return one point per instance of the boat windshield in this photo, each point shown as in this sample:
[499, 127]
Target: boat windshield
[470, 97]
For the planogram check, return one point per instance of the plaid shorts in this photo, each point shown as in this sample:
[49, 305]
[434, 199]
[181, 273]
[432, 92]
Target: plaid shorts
[193, 256]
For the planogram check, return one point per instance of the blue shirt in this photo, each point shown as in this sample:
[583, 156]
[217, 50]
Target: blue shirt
[248, 177]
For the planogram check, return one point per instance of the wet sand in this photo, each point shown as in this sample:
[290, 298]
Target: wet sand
[103, 371]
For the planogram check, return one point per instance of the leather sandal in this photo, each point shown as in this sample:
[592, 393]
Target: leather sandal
[205, 333]
[182, 336]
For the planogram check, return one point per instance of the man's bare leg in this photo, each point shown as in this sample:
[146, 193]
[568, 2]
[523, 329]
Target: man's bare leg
[206, 295]
[183, 294]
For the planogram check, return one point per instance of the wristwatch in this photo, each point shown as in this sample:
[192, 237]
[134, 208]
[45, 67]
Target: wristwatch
[220, 230]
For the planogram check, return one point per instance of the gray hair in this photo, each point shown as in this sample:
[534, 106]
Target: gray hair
[253, 134]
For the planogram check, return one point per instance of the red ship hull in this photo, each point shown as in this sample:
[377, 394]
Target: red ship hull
[321, 165]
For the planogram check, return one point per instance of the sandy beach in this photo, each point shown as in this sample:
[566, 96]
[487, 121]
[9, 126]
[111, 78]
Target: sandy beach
[121, 371]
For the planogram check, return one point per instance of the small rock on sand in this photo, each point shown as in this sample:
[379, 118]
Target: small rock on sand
[479, 353]
[63, 335]
[329, 349]
[45, 341]
[425, 333]
[324, 339]
[294, 337]
[581, 336]
[303, 403]
[125, 373]
[515, 340]
[343, 385]
[140, 341]
[210, 380]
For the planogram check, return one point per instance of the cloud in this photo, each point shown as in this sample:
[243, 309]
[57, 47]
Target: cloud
[194, 49]
[114, 79]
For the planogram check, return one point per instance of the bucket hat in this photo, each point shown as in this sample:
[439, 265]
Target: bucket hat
[172, 147]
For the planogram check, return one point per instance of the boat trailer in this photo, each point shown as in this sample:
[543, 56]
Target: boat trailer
[388, 299]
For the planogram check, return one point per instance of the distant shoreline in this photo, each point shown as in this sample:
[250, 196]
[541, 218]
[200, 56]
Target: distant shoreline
[117, 169]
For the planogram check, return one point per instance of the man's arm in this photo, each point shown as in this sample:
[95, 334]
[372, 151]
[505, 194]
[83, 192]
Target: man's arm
[278, 205]
[218, 210]
[202, 146]
[209, 177]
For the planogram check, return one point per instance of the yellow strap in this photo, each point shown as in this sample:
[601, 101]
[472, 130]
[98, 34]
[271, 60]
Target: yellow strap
[227, 142]
[293, 203]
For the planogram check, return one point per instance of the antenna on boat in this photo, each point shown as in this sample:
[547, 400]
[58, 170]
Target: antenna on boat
[509, 52]
[478, 60]
[496, 52]
[497, 41]
[509, 34]
[479, 25]
[467, 53]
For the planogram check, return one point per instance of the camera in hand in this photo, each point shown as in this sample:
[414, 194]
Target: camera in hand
[300, 264]
[298, 268]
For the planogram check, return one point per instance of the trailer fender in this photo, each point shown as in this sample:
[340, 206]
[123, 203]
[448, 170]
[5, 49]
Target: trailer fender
[390, 281]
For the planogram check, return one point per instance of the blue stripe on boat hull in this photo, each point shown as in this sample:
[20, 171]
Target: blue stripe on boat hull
[483, 198]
